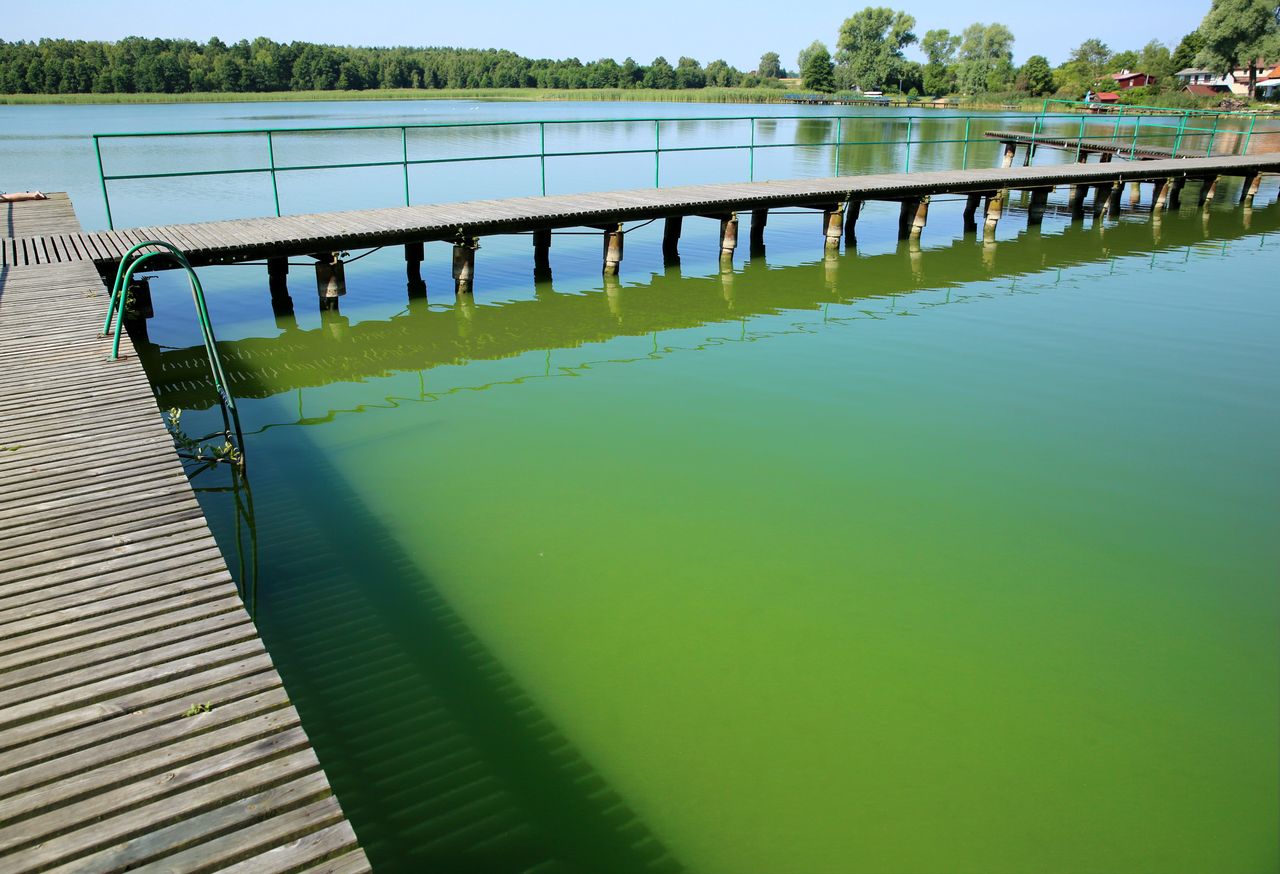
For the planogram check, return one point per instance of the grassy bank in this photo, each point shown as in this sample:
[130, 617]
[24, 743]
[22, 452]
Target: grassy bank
[689, 95]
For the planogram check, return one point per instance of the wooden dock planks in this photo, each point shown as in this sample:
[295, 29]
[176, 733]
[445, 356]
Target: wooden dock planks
[117, 615]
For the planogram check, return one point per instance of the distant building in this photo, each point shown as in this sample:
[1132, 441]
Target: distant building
[1235, 82]
[1127, 79]
[1269, 83]
[1106, 97]
[1214, 81]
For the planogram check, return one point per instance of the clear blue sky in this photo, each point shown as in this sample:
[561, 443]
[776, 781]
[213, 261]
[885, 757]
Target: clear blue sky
[737, 32]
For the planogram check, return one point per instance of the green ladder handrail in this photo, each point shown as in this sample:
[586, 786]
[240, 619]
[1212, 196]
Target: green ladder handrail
[129, 265]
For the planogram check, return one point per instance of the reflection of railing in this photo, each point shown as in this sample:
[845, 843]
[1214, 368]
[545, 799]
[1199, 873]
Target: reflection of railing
[657, 149]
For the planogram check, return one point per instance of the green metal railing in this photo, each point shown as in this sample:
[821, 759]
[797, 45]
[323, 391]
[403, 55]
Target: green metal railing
[839, 123]
[132, 261]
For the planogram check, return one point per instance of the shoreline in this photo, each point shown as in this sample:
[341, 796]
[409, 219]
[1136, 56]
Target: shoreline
[527, 95]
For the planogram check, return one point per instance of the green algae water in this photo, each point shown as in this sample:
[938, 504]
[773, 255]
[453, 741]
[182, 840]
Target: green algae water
[950, 558]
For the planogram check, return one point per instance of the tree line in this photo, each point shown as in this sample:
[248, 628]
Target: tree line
[870, 55]
[174, 66]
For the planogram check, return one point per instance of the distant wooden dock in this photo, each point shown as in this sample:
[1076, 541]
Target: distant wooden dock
[142, 724]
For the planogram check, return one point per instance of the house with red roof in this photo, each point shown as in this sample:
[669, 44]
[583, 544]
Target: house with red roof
[1127, 79]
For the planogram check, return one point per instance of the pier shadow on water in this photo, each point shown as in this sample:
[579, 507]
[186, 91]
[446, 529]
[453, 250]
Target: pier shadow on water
[439, 759]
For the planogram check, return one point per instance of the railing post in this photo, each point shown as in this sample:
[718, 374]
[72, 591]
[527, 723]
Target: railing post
[1248, 136]
[907, 164]
[964, 157]
[1133, 148]
[542, 153]
[1080, 139]
[1115, 136]
[1213, 135]
[271, 155]
[657, 151]
[1177, 140]
[97, 148]
[751, 172]
[404, 160]
[839, 137]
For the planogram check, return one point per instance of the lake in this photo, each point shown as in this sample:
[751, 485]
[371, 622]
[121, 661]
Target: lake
[950, 557]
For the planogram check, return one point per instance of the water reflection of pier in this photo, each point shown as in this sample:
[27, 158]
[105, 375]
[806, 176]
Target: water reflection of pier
[424, 338]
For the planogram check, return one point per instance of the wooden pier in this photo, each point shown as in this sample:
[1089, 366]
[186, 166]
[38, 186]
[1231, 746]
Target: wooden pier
[142, 723]
[838, 200]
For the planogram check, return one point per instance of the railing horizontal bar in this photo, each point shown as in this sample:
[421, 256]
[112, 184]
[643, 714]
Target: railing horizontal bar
[562, 121]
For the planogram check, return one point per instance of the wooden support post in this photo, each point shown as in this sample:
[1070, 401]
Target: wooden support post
[671, 239]
[278, 282]
[906, 214]
[413, 256]
[852, 210]
[1113, 201]
[728, 235]
[1100, 195]
[1161, 194]
[1104, 157]
[1175, 192]
[833, 226]
[921, 218]
[413, 253]
[331, 279]
[995, 205]
[1135, 194]
[1076, 201]
[613, 238]
[970, 208]
[759, 219]
[464, 264]
[1010, 150]
[1208, 188]
[1035, 212]
[1084, 157]
[1249, 190]
[542, 252]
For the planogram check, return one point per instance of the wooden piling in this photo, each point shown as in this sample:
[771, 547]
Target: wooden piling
[906, 214]
[852, 210]
[1035, 212]
[1113, 201]
[728, 235]
[970, 209]
[1175, 192]
[1101, 193]
[1104, 157]
[331, 280]
[995, 206]
[1249, 190]
[1135, 194]
[833, 225]
[1010, 151]
[1208, 188]
[1076, 201]
[278, 282]
[613, 238]
[759, 219]
[921, 218]
[671, 239]
[464, 264]
[1161, 196]
[542, 250]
